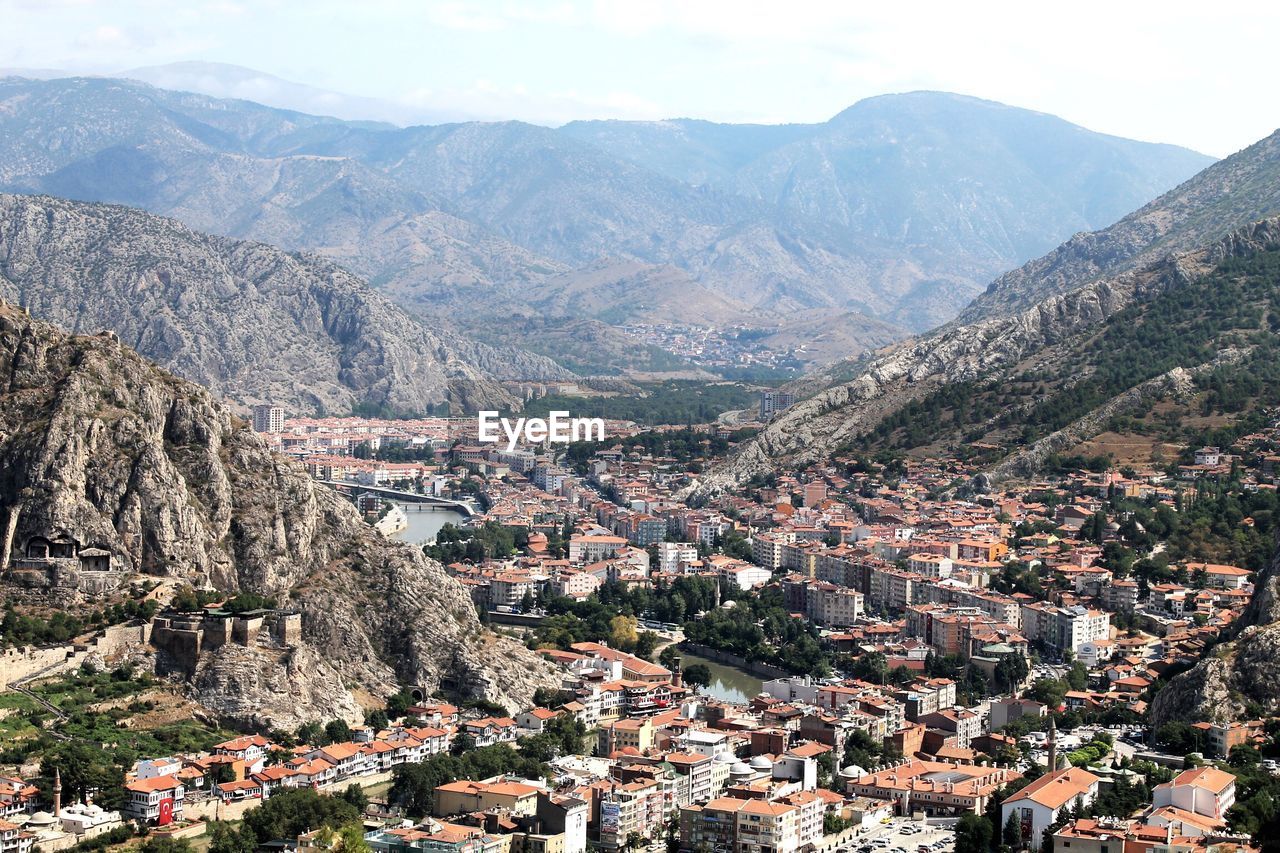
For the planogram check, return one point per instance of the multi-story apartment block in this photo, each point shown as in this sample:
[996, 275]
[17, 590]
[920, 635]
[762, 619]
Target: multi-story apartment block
[636, 808]
[926, 696]
[267, 418]
[1064, 628]
[845, 566]
[573, 583]
[593, 549]
[832, 606]
[930, 565]
[674, 557]
[766, 549]
[1121, 596]
[549, 478]
[815, 492]
[802, 557]
[701, 777]
[508, 589]
[646, 530]
[734, 825]
[773, 401]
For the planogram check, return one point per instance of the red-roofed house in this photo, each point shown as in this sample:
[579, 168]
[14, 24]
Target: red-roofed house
[157, 800]
[1039, 804]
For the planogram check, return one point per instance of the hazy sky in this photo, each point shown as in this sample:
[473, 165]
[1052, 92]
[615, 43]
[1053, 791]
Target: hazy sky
[1200, 75]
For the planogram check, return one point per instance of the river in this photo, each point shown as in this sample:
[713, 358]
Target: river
[425, 521]
[727, 683]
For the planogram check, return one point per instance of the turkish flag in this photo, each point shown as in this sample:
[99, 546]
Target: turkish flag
[166, 812]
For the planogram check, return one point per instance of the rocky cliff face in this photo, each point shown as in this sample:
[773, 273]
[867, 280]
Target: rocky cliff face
[1229, 683]
[1243, 672]
[100, 445]
[812, 429]
[245, 319]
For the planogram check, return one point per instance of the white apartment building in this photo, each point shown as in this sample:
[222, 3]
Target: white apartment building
[1064, 628]
[930, 565]
[593, 549]
[745, 575]
[674, 557]
[766, 549]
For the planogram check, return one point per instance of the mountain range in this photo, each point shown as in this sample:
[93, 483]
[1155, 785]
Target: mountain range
[244, 319]
[1041, 350]
[883, 220]
[899, 209]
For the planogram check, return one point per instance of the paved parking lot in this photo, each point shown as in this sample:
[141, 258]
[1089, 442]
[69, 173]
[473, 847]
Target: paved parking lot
[902, 835]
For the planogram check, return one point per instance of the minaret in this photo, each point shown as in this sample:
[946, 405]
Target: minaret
[57, 792]
[1053, 746]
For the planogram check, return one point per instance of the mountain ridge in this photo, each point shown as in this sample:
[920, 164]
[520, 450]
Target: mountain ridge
[202, 304]
[101, 446]
[1160, 226]
[986, 351]
[850, 397]
[391, 203]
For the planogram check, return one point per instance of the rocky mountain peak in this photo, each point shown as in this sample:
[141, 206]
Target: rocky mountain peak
[104, 449]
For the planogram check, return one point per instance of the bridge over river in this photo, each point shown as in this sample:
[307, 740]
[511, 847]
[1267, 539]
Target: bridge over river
[349, 488]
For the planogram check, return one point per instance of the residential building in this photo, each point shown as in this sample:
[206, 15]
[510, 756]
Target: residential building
[595, 548]
[934, 787]
[1040, 803]
[13, 839]
[674, 557]
[156, 800]
[1064, 628]
[268, 418]
[466, 796]
[1205, 791]
[734, 825]
[773, 401]
[833, 606]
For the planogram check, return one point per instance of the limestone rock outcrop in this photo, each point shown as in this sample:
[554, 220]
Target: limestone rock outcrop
[1238, 677]
[100, 446]
[247, 320]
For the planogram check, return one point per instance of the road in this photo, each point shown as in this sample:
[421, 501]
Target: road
[59, 716]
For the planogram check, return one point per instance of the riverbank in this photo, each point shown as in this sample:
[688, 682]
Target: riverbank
[728, 683]
[755, 668]
[423, 521]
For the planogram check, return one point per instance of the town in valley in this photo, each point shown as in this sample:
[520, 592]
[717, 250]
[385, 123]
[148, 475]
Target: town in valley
[562, 426]
[925, 663]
